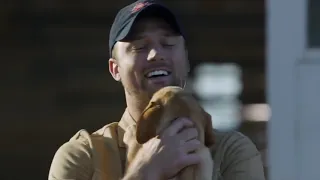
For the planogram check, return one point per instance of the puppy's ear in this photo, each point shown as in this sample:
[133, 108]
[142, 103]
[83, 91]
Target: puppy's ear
[148, 122]
[209, 133]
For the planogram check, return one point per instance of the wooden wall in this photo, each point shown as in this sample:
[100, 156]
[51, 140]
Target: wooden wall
[55, 79]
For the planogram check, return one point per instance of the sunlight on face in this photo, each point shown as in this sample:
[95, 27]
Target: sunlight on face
[151, 57]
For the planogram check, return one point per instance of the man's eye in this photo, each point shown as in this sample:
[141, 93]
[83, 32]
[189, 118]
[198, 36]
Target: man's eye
[136, 48]
[167, 44]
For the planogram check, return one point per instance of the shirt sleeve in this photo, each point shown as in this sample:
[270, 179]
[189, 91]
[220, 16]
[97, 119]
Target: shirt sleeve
[72, 161]
[242, 160]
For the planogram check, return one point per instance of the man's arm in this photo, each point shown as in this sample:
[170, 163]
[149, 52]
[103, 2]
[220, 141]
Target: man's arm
[140, 173]
[72, 161]
[140, 169]
[242, 160]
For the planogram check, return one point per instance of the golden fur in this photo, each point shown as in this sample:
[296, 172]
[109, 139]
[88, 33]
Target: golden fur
[166, 105]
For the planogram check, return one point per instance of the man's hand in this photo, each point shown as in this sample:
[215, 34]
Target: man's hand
[163, 157]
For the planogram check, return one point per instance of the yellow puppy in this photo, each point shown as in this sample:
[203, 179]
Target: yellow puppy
[166, 105]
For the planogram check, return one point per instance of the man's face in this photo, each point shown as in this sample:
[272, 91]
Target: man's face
[151, 57]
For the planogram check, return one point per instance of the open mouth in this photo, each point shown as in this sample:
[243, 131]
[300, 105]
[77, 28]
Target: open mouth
[157, 73]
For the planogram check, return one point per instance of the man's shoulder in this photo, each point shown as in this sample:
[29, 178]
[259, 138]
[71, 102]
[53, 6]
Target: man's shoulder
[84, 141]
[231, 138]
[228, 142]
[233, 147]
[73, 160]
[81, 145]
[84, 151]
[83, 138]
[109, 130]
[107, 135]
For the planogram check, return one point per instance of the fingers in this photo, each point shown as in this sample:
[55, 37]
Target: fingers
[190, 159]
[188, 134]
[191, 146]
[177, 126]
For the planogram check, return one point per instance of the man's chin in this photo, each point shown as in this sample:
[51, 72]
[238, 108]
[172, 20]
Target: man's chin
[154, 88]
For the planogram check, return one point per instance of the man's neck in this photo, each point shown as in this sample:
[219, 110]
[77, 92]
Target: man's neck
[136, 105]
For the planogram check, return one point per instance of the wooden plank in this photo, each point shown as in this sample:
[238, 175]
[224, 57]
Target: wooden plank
[253, 79]
[79, 99]
[218, 53]
[92, 37]
[76, 90]
[226, 36]
[221, 42]
[72, 36]
[198, 53]
[218, 6]
[84, 19]
[191, 6]
[253, 98]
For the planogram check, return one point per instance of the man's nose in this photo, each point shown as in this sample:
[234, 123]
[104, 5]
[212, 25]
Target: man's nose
[155, 54]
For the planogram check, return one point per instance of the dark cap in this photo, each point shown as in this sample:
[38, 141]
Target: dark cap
[143, 8]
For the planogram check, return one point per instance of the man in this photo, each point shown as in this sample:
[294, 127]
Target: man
[148, 51]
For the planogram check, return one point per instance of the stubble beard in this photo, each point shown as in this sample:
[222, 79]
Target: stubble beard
[145, 93]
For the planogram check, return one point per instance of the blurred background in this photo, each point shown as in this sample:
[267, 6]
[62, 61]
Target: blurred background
[55, 74]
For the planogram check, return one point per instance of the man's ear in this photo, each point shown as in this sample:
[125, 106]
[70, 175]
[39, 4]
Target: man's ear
[114, 69]
[209, 133]
[148, 122]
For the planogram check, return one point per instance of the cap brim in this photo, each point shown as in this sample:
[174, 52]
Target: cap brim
[153, 10]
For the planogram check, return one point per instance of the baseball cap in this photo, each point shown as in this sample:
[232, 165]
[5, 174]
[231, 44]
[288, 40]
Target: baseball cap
[126, 17]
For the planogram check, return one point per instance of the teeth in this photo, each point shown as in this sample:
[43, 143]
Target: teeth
[157, 73]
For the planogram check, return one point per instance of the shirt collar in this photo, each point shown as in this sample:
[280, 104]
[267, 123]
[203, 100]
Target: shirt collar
[126, 128]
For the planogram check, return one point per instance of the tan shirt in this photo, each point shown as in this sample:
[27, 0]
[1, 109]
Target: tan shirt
[235, 156]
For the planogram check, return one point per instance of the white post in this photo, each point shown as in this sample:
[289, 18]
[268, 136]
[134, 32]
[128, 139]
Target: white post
[285, 45]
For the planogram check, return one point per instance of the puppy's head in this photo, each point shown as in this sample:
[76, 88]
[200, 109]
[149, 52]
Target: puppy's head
[166, 105]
